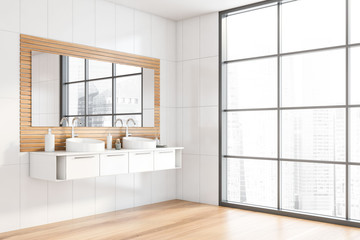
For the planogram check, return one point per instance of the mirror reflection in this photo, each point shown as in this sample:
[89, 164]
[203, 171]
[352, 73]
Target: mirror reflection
[98, 93]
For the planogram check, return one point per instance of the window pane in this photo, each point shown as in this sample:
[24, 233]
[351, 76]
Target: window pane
[354, 21]
[99, 69]
[314, 188]
[310, 24]
[354, 134]
[124, 118]
[100, 97]
[317, 134]
[128, 94]
[76, 99]
[252, 134]
[126, 69]
[354, 75]
[100, 121]
[252, 84]
[252, 33]
[252, 181]
[76, 69]
[314, 79]
[355, 192]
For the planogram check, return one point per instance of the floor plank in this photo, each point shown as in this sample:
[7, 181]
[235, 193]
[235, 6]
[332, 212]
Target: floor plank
[185, 220]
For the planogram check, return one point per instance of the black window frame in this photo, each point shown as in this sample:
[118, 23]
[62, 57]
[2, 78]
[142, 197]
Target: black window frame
[347, 221]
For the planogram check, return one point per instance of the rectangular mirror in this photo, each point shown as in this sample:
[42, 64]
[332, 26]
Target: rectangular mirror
[96, 92]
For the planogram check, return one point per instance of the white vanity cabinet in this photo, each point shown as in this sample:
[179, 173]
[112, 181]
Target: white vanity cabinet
[164, 159]
[114, 164]
[141, 161]
[62, 166]
[72, 167]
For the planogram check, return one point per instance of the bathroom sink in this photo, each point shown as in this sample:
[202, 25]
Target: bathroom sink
[84, 145]
[138, 143]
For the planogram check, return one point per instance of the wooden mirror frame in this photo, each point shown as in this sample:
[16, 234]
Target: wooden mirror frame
[32, 138]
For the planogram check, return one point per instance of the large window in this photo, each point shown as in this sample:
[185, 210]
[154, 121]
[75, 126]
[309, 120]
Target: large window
[98, 92]
[290, 108]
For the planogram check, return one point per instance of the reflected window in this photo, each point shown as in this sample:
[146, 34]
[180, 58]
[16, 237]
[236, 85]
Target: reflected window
[101, 92]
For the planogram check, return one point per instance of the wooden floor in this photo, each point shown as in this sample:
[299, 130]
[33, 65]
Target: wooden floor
[185, 220]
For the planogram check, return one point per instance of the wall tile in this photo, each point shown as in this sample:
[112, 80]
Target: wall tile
[171, 84]
[33, 202]
[125, 36]
[84, 22]
[10, 15]
[60, 20]
[209, 178]
[191, 83]
[9, 127]
[159, 188]
[9, 202]
[124, 191]
[105, 194]
[9, 65]
[143, 188]
[142, 33]
[171, 125]
[60, 201]
[105, 24]
[179, 84]
[34, 17]
[191, 130]
[171, 41]
[164, 95]
[191, 38]
[179, 127]
[209, 131]
[209, 37]
[163, 125]
[209, 81]
[179, 184]
[84, 197]
[179, 40]
[171, 184]
[190, 177]
[158, 37]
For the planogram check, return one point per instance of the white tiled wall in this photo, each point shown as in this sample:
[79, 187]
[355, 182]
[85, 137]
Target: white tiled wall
[26, 202]
[197, 108]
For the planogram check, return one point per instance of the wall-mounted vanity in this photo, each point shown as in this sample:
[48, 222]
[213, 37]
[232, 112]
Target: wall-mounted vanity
[62, 166]
[82, 91]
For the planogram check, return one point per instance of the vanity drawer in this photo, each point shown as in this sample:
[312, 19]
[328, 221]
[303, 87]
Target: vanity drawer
[76, 167]
[164, 159]
[113, 164]
[141, 161]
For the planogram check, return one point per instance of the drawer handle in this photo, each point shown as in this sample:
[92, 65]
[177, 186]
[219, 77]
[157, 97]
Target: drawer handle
[84, 157]
[143, 153]
[167, 152]
[119, 155]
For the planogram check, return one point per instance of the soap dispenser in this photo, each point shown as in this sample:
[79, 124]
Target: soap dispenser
[109, 142]
[49, 142]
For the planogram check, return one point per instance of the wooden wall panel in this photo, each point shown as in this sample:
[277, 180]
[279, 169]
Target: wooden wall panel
[32, 138]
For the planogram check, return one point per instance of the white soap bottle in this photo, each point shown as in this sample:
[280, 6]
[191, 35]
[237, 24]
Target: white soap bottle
[109, 142]
[49, 142]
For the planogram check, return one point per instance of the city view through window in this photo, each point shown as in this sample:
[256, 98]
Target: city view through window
[290, 107]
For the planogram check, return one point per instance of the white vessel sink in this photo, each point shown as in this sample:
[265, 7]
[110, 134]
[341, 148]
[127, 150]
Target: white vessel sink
[84, 145]
[138, 143]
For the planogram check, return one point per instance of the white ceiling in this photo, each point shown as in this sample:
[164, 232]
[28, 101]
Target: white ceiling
[182, 9]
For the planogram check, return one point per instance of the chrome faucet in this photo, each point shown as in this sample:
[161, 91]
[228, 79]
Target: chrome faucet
[64, 119]
[127, 134]
[119, 120]
[73, 125]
